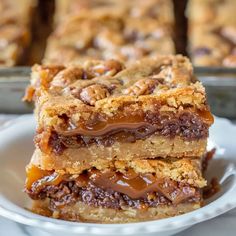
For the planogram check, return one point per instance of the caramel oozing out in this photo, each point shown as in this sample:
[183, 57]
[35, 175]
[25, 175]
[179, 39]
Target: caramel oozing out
[132, 184]
[102, 126]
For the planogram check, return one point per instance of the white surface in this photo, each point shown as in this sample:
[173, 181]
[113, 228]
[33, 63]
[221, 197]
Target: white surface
[17, 143]
[224, 225]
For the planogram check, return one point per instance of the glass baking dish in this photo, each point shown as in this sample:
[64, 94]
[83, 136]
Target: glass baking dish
[220, 84]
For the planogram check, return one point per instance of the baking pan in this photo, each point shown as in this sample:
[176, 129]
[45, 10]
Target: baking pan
[220, 85]
[13, 82]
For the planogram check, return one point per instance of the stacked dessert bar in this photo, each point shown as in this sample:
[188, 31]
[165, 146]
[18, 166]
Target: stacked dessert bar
[212, 32]
[123, 30]
[117, 142]
[14, 30]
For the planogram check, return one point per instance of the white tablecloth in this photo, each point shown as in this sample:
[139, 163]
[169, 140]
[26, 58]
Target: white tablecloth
[224, 225]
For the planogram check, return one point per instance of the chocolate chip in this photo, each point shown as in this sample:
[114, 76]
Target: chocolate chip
[201, 51]
[55, 142]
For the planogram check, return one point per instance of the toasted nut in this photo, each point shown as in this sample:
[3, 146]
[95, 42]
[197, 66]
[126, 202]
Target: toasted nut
[230, 61]
[113, 67]
[142, 87]
[93, 93]
[66, 77]
[229, 32]
[110, 68]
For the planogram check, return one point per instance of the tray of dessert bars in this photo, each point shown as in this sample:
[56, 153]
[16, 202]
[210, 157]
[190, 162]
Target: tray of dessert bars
[220, 84]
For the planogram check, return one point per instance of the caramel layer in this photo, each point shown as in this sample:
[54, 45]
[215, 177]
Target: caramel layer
[102, 125]
[189, 126]
[131, 184]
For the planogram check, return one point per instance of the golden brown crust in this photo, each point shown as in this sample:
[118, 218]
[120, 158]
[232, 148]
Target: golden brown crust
[82, 212]
[173, 90]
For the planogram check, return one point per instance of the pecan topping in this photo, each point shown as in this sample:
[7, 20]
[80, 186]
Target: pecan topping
[67, 76]
[142, 87]
[113, 67]
[110, 67]
[93, 93]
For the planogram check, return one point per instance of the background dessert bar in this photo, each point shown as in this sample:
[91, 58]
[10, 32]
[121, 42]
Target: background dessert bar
[126, 31]
[212, 32]
[15, 35]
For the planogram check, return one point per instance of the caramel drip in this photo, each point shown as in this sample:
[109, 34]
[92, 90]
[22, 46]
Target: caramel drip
[132, 184]
[206, 116]
[33, 174]
[42, 177]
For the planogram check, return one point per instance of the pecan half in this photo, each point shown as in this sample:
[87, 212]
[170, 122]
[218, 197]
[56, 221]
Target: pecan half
[66, 77]
[108, 68]
[93, 93]
[230, 61]
[142, 87]
[113, 67]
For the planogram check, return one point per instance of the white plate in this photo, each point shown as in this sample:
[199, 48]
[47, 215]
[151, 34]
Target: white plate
[16, 147]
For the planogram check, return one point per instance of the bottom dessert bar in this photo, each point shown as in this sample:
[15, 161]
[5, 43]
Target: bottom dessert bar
[110, 196]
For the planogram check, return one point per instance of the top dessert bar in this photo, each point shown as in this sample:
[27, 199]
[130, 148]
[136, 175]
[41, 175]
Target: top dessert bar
[154, 107]
[14, 30]
[212, 32]
[123, 33]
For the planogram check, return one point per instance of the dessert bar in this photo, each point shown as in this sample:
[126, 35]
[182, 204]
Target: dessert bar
[126, 32]
[14, 30]
[212, 32]
[118, 143]
[102, 109]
